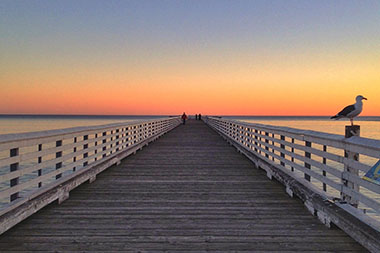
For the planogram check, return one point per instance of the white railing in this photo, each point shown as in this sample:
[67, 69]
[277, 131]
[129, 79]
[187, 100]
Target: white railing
[30, 163]
[315, 159]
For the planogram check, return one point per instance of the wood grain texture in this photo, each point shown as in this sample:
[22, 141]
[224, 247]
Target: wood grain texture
[187, 191]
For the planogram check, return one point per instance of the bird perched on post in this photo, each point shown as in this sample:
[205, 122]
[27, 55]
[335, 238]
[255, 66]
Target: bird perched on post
[351, 111]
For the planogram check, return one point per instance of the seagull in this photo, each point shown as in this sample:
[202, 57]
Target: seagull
[351, 111]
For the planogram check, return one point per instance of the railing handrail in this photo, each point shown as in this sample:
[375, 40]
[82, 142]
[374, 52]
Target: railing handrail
[313, 167]
[14, 137]
[54, 162]
[338, 140]
[260, 139]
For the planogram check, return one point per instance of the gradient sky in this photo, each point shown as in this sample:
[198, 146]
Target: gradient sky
[269, 57]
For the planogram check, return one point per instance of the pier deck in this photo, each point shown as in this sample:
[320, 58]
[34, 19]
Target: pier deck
[187, 191]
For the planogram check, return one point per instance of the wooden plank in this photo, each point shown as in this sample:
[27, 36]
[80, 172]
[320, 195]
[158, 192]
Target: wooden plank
[188, 191]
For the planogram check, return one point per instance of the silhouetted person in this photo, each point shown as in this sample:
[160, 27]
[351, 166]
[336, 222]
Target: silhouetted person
[199, 116]
[196, 116]
[184, 118]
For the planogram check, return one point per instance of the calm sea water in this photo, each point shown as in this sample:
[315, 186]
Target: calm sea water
[369, 126]
[32, 123]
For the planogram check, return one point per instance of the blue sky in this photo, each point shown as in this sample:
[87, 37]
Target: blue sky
[198, 43]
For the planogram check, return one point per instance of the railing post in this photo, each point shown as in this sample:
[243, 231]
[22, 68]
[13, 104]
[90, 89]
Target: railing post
[117, 138]
[57, 155]
[324, 172]
[282, 146]
[256, 138]
[96, 144]
[292, 168]
[266, 146]
[250, 137]
[127, 139]
[136, 135]
[75, 150]
[14, 167]
[273, 145]
[260, 139]
[111, 142]
[39, 161]
[104, 142]
[307, 155]
[351, 131]
[85, 146]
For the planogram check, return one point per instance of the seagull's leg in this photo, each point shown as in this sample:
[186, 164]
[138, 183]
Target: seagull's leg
[352, 121]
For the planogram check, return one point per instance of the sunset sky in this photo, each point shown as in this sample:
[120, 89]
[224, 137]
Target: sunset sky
[269, 57]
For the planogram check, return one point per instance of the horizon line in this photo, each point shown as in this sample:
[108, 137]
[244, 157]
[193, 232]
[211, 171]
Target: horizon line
[168, 115]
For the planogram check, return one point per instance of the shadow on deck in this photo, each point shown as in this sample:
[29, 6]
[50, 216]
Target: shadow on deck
[187, 191]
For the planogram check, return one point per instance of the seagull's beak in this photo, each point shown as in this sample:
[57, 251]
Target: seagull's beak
[365, 98]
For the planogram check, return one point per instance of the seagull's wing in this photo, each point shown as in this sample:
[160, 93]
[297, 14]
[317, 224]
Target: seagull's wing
[346, 110]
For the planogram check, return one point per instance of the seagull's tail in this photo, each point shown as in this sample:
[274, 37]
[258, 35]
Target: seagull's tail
[335, 117]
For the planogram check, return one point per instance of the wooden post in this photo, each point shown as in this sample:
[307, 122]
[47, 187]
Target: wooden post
[242, 136]
[128, 138]
[96, 144]
[324, 172]
[260, 139]
[57, 155]
[307, 165]
[351, 131]
[139, 133]
[75, 150]
[103, 142]
[85, 146]
[292, 169]
[248, 139]
[14, 167]
[282, 137]
[256, 138]
[273, 148]
[39, 161]
[266, 146]
[117, 138]
[111, 145]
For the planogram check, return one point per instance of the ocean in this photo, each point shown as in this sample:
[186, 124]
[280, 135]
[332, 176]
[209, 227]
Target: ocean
[370, 126]
[32, 123]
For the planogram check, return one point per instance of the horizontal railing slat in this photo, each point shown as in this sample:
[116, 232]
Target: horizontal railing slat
[277, 146]
[300, 168]
[8, 141]
[314, 163]
[365, 146]
[52, 162]
[67, 149]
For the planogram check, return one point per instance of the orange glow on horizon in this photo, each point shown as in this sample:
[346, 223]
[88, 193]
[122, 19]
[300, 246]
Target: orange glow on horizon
[247, 87]
[164, 58]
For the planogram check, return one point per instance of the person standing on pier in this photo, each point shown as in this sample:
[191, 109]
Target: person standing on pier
[184, 118]
[199, 116]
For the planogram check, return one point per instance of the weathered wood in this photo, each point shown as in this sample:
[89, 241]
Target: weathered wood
[189, 191]
[306, 158]
[63, 156]
[14, 167]
[349, 132]
[315, 200]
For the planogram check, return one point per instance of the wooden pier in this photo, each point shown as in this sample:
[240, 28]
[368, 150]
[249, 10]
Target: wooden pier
[187, 191]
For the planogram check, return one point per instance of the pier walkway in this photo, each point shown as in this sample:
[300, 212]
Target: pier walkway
[187, 191]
